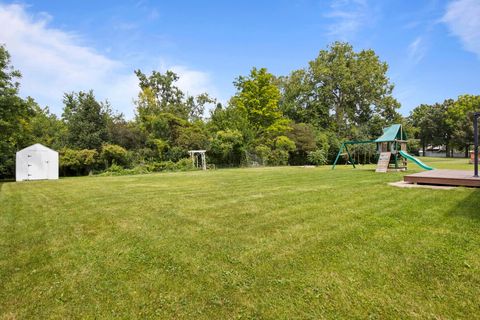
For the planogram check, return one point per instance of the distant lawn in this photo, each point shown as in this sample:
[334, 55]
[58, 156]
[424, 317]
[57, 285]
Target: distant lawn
[276, 243]
[447, 163]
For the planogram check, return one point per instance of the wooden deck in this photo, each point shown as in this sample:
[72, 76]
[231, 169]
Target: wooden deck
[444, 177]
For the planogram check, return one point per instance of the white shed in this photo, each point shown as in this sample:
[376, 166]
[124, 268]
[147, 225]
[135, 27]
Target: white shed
[36, 162]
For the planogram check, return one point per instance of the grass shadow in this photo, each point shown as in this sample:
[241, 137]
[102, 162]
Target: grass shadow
[469, 206]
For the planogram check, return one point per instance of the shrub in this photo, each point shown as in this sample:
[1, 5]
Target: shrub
[284, 143]
[226, 147]
[278, 158]
[163, 166]
[116, 170]
[77, 162]
[263, 152]
[176, 153]
[184, 165]
[114, 154]
[317, 157]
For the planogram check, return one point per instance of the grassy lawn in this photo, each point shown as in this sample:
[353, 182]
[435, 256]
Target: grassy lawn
[266, 243]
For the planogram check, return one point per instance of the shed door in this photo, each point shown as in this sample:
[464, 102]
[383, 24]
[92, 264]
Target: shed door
[37, 165]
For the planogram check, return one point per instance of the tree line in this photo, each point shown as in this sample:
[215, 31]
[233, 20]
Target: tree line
[272, 120]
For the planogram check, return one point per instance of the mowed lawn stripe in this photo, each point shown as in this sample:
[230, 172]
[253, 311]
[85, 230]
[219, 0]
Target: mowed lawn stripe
[277, 243]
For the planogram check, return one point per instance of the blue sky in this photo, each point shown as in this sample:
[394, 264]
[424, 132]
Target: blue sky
[431, 46]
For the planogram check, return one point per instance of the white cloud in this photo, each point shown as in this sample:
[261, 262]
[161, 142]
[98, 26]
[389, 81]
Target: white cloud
[54, 61]
[462, 18]
[417, 50]
[349, 17]
[193, 82]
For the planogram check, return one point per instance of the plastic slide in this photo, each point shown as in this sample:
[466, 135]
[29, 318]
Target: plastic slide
[417, 161]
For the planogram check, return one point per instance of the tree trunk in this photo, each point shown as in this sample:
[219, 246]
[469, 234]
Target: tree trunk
[467, 147]
[424, 148]
[447, 151]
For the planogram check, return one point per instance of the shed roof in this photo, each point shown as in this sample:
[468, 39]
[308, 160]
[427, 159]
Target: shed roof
[392, 133]
[37, 147]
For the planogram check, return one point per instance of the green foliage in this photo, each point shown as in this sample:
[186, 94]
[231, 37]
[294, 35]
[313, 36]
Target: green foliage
[460, 117]
[303, 135]
[127, 134]
[163, 166]
[160, 94]
[14, 115]
[46, 128]
[340, 95]
[284, 143]
[432, 124]
[114, 154]
[338, 89]
[263, 153]
[184, 164]
[226, 147]
[317, 157]
[86, 120]
[257, 98]
[77, 162]
[193, 137]
[176, 153]
[116, 170]
[277, 157]
[413, 146]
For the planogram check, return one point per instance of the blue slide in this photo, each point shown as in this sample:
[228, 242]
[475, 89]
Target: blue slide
[417, 161]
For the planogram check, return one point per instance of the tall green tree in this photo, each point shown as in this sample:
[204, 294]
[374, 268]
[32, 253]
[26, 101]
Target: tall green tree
[257, 98]
[432, 125]
[86, 120]
[46, 128]
[171, 120]
[421, 118]
[14, 115]
[460, 118]
[340, 90]
[159, 94]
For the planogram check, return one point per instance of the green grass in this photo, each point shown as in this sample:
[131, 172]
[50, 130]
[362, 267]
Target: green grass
[266, 243]
[447, 163]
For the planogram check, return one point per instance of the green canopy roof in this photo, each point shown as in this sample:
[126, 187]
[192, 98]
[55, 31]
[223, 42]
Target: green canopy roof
[392, 133]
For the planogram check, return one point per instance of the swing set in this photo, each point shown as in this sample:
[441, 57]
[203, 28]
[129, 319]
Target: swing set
[390, 147]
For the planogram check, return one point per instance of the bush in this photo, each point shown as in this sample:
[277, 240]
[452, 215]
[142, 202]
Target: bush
[284, 143]
[317, 157]
[185, 164]
[226, 148]
[176, 154]
[114, 154]
[77, 162]
[116, 170]
[163, 166]
[278, 158]
[263, 152]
